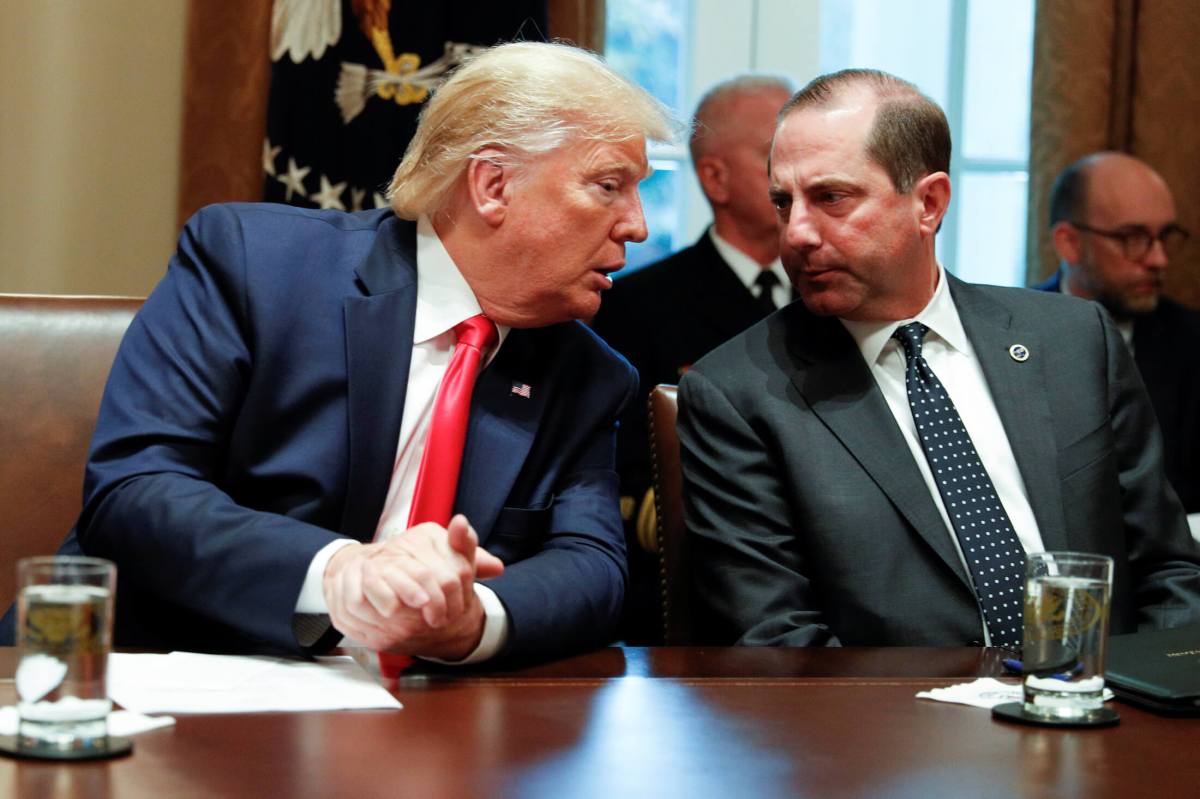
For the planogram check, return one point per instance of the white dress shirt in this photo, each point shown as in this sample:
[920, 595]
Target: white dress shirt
[950, 355]
[443, 300]
[747, 269]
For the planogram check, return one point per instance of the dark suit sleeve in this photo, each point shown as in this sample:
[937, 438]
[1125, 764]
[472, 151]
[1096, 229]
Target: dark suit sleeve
[566, 596]
[1163, 557]
[152, 496]
[748, 564]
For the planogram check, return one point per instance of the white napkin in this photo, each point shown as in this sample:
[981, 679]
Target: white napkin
[121, 723]
[985, 692]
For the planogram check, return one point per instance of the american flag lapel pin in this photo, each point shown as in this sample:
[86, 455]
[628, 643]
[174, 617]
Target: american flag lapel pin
[520, 389]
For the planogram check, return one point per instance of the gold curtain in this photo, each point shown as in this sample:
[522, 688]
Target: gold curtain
[227, 76]
[1117, 75]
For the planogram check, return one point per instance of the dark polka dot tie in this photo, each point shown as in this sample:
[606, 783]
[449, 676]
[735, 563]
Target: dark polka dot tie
[989, 544]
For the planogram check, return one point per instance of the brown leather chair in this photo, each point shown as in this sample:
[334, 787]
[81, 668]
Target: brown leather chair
[668, 505]
[55, 355]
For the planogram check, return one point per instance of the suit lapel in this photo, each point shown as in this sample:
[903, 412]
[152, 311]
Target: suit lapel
[501, 429]
[1019, 391]
[379, 340]
[834, 380]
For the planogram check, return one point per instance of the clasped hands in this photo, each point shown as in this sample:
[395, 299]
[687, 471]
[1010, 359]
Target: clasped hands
[413, 592]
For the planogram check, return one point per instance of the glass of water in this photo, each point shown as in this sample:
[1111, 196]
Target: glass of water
[64, 631]
[1067, 596]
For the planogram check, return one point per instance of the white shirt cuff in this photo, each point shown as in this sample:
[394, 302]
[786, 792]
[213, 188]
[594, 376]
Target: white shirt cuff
[312, 593]
[1194, 525]
[495, 629]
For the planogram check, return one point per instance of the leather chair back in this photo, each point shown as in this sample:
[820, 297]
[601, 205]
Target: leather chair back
[668, 499]
[55, 355]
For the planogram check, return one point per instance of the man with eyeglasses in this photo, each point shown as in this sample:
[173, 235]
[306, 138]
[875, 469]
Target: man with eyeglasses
[1113, 225]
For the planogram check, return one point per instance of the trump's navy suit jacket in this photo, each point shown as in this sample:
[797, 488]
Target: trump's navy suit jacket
[253, 414]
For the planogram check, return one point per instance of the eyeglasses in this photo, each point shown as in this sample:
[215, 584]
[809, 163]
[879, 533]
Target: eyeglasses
[1137, 241]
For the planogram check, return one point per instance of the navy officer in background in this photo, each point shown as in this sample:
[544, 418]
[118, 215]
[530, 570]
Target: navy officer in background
[666, 316]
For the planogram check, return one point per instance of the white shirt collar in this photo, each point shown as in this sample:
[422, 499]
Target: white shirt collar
[746, 268]
[443, 296]
[940, 315]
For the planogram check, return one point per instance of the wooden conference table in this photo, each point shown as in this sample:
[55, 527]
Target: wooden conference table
[688, 722]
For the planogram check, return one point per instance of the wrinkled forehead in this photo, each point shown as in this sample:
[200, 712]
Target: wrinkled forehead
[627, 157]
[593, 157]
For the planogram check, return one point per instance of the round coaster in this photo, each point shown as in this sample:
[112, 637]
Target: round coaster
[112, 747]
[1015, 711]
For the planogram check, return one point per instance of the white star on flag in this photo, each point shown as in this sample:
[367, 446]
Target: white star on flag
[269, 154]
[330, 195]
[294, 179]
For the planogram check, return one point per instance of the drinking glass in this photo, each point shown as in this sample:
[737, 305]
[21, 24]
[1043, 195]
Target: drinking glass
[64, 632]
[1067, 596]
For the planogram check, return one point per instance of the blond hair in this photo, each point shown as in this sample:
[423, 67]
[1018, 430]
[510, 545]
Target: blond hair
[524, 99]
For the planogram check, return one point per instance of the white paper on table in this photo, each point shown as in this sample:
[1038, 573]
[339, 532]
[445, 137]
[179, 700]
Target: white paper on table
[186, 682]
[984, 692]
[120, 722]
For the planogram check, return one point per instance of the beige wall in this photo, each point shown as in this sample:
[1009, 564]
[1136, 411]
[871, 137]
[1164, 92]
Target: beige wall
[90, 100]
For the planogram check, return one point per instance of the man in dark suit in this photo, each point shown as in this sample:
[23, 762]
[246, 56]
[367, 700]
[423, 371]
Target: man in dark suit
[266, 419]
[666, 316]
[1113, 225]
[869, 466]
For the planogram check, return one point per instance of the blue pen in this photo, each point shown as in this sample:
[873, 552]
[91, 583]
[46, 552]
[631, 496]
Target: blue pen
[1015, 666]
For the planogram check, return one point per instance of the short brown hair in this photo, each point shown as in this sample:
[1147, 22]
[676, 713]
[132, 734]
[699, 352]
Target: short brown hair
[909, 138]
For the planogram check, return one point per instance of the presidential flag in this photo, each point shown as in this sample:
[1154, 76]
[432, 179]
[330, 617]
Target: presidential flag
[348, 78]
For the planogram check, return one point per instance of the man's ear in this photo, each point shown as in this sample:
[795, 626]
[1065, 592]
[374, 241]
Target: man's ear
[489, 184]
[713, 174]
[932, 193]
[1067, 243]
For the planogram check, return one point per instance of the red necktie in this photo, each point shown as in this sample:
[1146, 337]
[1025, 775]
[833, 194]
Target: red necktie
[437, 479]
